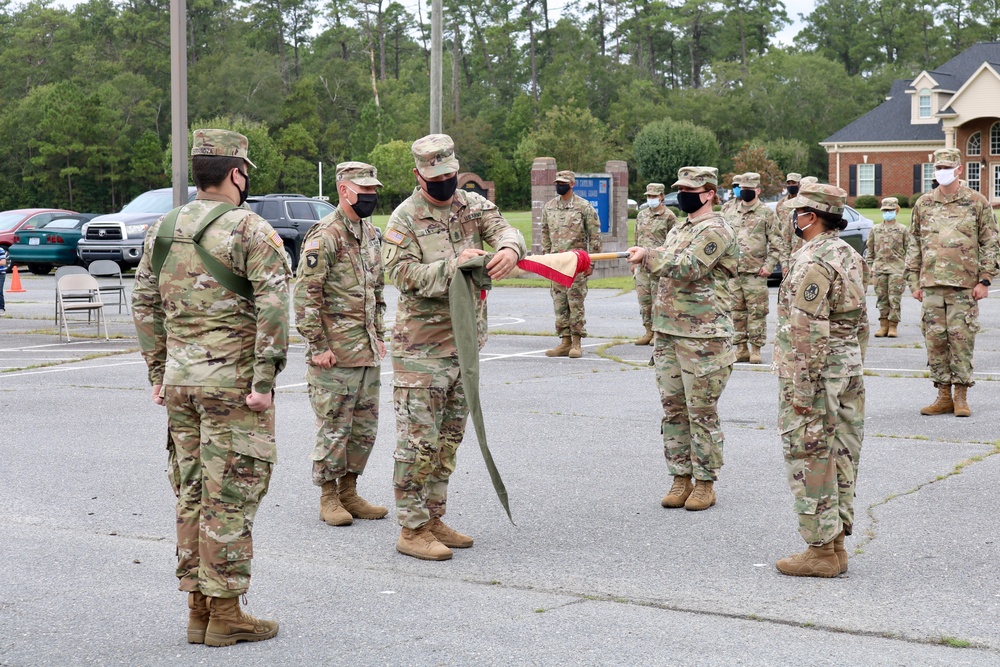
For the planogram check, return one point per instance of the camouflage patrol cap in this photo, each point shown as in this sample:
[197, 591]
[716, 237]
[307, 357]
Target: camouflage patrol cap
[738, 179]
[821, 197]
[793, 178]
[224, 143]
[358, 173]
[434, 155]
[751, 179]
[890, 204]
[808, 180]
[947, 158]
[565, 176]
[655, 189]
[696, 177]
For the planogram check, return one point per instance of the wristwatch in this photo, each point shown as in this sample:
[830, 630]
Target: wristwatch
[985, 283]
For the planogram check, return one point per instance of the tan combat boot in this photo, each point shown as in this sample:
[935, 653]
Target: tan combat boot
[892, 333]
[646, 338]
[961, 404]
[358, 507]
[943, 405]
[197, 617]
[883, 328]
[813, 562]
[421, 543]
[560, 350]
[742, 353]
[229, 624]
[574, 351]
[754, 354]
[838, 548]
[702, 497]
[449, 536]
[679, 492]
[330, 509]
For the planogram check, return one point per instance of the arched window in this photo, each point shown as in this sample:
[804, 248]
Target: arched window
[975, 145]
[995, 139]
[925, 103]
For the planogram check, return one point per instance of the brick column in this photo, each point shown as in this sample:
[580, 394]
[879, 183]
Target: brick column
[543, 188]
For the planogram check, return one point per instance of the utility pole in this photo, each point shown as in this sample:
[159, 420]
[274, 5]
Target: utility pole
[436, 67]
[178, 100]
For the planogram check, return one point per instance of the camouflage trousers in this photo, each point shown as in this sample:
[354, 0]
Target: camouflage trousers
[749, 299]
[431, 413]
[645, 288]
[568, 304]
[691, 374]
[822, 452]
[889, 292]
[950, 321]
[345, 402]
[220, 456]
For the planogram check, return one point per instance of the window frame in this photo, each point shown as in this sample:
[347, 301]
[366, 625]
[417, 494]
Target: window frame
[927, 180]
[978, 180]
[974, 150]
[865, 180]
[924, 96]
[995, 138]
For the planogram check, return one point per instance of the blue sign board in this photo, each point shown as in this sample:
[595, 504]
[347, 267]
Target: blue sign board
[596, 188]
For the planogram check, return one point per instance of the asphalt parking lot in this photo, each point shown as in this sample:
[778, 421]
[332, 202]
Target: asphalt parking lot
[594, 572]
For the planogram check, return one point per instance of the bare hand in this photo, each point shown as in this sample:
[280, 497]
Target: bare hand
[763, 273]
[158, 394]
[470, 253]
[324, 360]
[381, 348]
[980, 291]
[258, 402]
[589, 271]
[918, 294]
[799, 410]
[784, 271]
[502, 264]
[636, 255]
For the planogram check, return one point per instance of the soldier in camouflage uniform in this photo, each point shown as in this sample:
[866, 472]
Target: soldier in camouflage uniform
[792, 181]
[428, 236]
[886, 255]
[792, 241]
[213, 355]
[735, 199]
[569, 222]
[693, 351]
[760, 244]
[950, 262]
[651, 227]
[818, 354]
[338, 310]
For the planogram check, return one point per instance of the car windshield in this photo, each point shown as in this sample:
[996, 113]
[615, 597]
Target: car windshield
[62, 223]
[156, 201]
[9, 220]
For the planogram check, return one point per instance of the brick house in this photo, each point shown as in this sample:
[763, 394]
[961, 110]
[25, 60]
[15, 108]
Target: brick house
[888, 151]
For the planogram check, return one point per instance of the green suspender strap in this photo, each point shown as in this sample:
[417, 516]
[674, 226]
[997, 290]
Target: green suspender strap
[165, 238]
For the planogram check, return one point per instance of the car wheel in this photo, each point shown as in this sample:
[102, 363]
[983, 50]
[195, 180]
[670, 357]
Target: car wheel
[40, 269]
[290, 257]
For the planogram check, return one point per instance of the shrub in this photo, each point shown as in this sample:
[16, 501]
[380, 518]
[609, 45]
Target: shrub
[904, 201]
[866, 201]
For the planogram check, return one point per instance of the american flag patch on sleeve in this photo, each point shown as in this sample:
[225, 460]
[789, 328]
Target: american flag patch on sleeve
[275, 239]
[312, 245]
[393, 236]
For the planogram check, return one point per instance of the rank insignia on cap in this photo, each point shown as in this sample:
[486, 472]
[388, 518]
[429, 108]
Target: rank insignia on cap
[393, 236]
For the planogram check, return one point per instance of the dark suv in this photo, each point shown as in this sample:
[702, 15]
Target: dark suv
[291, 216]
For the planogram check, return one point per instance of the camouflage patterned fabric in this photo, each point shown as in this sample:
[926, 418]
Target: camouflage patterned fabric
[761, 245]
[434, 155]
[651, 227]
[792, 242]
[566, 226]
[886, 255]
[952, 246]
[345, 401]
[220, 143]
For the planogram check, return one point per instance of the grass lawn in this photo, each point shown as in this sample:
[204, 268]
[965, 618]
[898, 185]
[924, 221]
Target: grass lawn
[875, 215]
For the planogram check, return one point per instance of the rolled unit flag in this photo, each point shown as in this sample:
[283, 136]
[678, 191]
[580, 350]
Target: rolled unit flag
[563, 267]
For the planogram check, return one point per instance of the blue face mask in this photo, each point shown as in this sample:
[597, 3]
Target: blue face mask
[736, 191]
[888, 215]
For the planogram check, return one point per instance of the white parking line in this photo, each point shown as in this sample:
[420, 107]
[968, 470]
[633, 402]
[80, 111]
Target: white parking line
[70, 368]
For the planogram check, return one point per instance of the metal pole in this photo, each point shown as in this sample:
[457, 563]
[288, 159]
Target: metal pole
[436, 67]
[320, 180]
[178, 100]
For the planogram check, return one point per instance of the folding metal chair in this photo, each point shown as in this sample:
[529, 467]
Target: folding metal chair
[75, 284]
[65, 271]
[105, 268]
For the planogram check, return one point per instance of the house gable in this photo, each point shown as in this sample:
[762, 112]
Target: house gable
[979, 96]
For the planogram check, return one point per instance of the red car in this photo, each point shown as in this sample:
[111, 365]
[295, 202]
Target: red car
[24, 218]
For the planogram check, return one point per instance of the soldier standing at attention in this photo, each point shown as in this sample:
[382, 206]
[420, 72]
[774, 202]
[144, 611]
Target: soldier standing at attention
[651, 227]
[210, 306]
[693, 351]
[784, 215]
[428, 237]
[818, 350]
[760, 244]
[951, 260]
[735, 199]
[569, 222]
[792, 241]
[338, 310]
[886, 255]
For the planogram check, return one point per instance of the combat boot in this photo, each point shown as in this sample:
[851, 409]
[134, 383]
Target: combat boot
[813, 562]
[197, 617]
[449, 536]
[754, 354]
[883, 328]
[892, 333]
[702, 497]
[330, 509]
[961, 404]
[574, 351]
[943, 405]
[742, 353]
[358, 507]
[646, 338]
[560, 350]
[838, 548]
[229, 624]
[421, 543]
[679, 492]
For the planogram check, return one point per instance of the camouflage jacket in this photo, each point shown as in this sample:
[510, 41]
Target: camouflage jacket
[651, 227]
[338, 294]
[758, 236]
[953, 240]
[822, 318]
[570, 226]
[886, 250]
[695, 263]
[791, 241]
[420, 251]
[193, 331]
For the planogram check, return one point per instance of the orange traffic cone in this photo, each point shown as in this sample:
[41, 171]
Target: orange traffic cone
[15, 283]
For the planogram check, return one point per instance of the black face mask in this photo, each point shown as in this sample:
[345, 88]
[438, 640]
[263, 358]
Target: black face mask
[245, 192]
[365, 205]
[792, 190]
[442, 190]
[689, 202]
[748, 194]
[562, 188]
